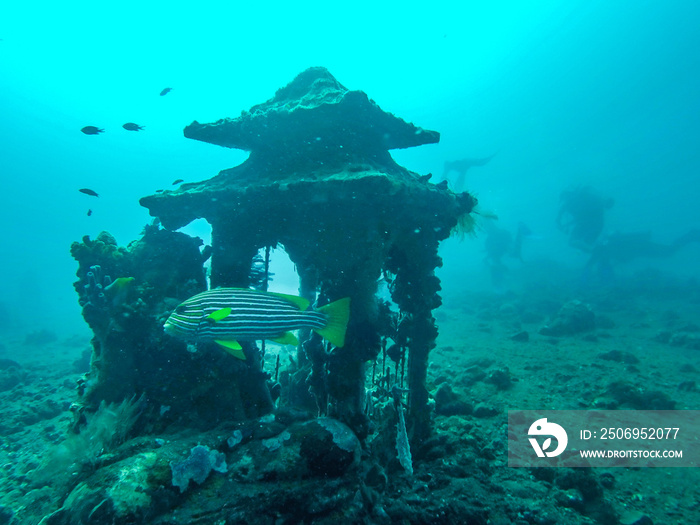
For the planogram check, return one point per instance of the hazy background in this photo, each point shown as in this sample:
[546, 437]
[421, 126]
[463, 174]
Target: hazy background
[569, 92]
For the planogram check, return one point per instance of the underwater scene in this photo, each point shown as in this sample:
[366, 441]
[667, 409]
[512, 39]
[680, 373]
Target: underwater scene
[365, 263]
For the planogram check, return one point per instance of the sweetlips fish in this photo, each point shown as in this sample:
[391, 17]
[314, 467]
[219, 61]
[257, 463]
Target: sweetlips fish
[227, 315]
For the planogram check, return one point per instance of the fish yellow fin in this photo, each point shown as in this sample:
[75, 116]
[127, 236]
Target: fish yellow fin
[220, 314]
[297, 301]
[338, 313]
[233, 348]
[119, 284]
[287, 338]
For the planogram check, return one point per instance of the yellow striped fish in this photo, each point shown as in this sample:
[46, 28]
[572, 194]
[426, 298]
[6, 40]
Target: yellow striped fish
[227, 315]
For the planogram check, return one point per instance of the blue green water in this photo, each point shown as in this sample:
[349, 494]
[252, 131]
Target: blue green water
[568, 92]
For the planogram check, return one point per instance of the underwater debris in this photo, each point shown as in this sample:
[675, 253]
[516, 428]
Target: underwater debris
[403, 449]
[572, 318]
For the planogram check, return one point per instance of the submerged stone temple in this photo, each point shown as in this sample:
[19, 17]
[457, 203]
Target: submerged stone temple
[169, 432]
[321, 183]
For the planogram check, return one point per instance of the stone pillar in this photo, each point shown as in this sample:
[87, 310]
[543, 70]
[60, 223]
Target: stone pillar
[232, 256]
[233, 250]
[415, 292]
[346, 366]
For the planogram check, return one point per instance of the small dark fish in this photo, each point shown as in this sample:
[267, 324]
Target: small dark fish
[92, 130]
[89, 212]
[130, 126]
[88, 191]
[178, 181]
[165, 91]
[159, 191]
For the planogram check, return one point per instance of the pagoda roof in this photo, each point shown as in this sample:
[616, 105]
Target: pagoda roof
[313, 108]
[315, 147]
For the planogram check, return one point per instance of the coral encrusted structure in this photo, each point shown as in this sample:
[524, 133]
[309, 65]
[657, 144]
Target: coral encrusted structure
[320, 182]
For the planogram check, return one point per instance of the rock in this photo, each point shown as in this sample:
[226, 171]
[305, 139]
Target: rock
[448, 403]
[329, 447]
[679, 339]
[571, 498]
[583, 480]
[607, 480]
[288, 415]
[573, 318]
[619, 356]
[266, 430]
[635, 518]
[501, 378]
[604, 322]
[632, 395]
[124, 492]
[483, 410]
[688, 386]
[10, 378]
[6, 364]
[82, 364]
[6, 515]
[494, 449]
[522, 337]
[663, 336]
[473, 374]
[690, 327]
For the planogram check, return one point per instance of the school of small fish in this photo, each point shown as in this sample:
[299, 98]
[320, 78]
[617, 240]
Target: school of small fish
[129, 126]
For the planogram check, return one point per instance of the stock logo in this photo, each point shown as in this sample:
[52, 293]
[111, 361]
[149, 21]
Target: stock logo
[542, 428]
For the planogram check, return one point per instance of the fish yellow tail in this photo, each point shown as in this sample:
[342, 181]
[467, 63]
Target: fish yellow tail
[338, 313]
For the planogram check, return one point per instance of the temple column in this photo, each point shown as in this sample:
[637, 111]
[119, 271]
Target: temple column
[415, 292]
